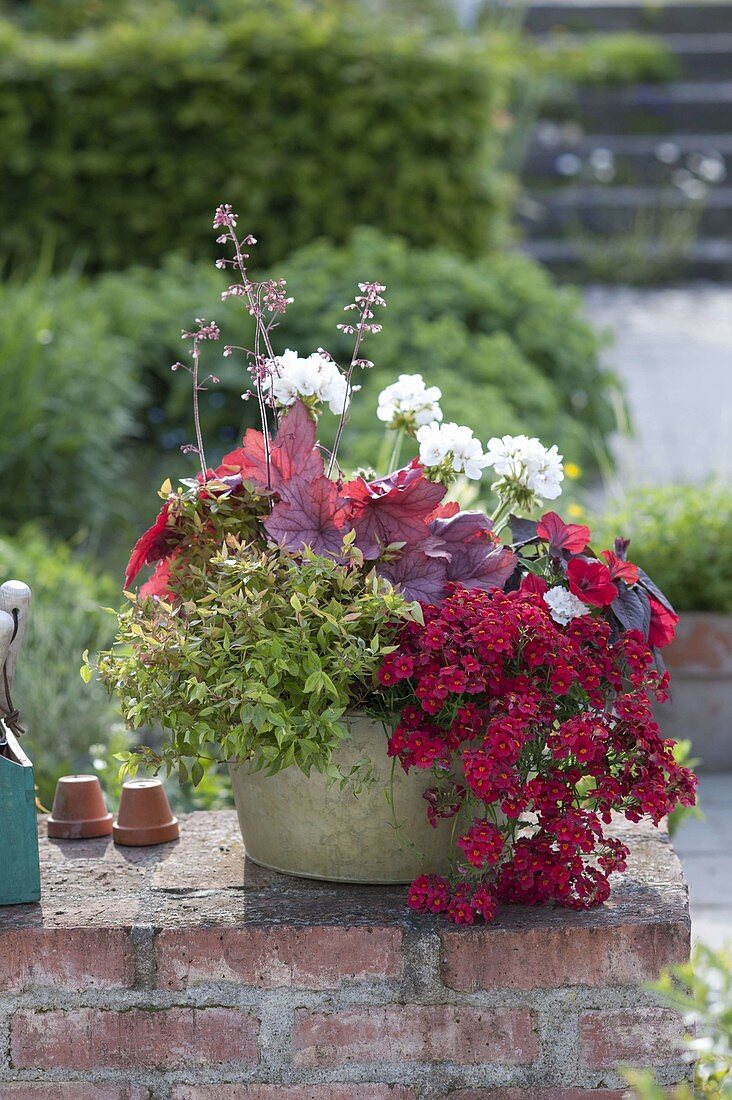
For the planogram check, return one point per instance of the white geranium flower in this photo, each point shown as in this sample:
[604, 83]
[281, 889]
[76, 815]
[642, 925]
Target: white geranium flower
[434, 444]
[292, 376]
[453, 444]
[526, 464]
[564, 605]
[409, 404]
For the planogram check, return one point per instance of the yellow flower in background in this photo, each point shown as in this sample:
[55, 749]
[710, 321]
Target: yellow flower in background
[572, 470]
[576, 511]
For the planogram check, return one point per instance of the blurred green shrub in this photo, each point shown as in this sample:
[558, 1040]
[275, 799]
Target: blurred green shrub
[702, 991]
[682, 536]
[62, 716]
[69, 402]
[123, 139]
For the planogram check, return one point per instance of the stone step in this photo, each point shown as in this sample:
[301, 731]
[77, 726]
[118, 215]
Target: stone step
[692, 107]
[636, 157]
[607, 210]
[702, 57]
[587, 16]
[707, 259]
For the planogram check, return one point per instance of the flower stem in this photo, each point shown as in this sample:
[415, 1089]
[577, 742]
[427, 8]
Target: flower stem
[196, 412]
[396, 450]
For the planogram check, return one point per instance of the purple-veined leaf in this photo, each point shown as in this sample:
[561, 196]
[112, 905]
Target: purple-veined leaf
[309, 513]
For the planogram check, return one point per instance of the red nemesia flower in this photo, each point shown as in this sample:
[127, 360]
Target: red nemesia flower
[620, 570]
[663, 624]
[590, 581]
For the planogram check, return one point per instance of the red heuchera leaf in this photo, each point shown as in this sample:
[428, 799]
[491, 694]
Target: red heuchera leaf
[418, 575]
[590, 581]
[620, 570]
[293, 452]
[663, 624]
[309, 513]
[572, 537]
[477, 560]
[393, 509]
[153, 545]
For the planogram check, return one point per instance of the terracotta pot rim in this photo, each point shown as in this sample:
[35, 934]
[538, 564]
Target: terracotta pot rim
[141, 836]
[60, 828]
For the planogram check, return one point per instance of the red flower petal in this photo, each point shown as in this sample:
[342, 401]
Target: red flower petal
[590, 581]
[573, 537]
[663, 624]
[620, 570]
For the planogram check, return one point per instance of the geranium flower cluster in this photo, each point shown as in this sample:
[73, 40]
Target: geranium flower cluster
[534, 732]
[314, 379]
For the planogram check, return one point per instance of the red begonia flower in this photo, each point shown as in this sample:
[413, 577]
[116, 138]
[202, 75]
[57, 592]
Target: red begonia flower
[590, 581]
[534, 584]
[663, 624]
[620, 570]
[562, 536]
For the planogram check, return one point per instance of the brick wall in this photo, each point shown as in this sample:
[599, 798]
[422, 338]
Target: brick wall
[177, 973]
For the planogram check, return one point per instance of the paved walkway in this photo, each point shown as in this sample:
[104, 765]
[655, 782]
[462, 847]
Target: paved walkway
[673, 350]
[706, 854]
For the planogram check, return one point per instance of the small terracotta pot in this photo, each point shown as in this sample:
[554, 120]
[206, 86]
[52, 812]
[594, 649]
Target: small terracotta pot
[144, 815]
[79, 810]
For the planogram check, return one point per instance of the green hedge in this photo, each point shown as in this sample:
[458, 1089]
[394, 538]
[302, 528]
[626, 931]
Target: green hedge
[120, 142]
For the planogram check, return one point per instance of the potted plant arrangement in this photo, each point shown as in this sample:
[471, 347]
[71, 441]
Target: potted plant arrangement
[684, 532]
[401, 695]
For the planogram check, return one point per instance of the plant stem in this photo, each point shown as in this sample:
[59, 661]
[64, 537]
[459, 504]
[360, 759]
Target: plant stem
[196, 413]
[396, 451]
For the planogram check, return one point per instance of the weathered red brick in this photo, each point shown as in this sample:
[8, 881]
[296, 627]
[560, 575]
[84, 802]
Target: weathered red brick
[90, 1038]
[65, 958]
[71, 1090]
[422, 1033]
[549, 958]
[334, 1091]
[639, 1036]
[316, 957]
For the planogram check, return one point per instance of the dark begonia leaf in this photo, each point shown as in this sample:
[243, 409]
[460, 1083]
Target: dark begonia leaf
[645, 582]
[418, 576]
[522, 530]
[632, 609]
[309, 513]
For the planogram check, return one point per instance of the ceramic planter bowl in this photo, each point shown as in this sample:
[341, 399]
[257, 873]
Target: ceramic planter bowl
[700, 708]
[144, 815]
[79, 810]
[301, 826]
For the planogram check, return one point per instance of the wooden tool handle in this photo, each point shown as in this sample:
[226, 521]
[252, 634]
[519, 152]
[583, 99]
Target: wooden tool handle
[15, 598]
